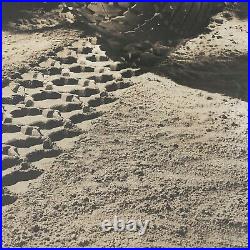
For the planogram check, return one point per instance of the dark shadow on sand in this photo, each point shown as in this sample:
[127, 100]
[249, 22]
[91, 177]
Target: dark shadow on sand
[217, 76]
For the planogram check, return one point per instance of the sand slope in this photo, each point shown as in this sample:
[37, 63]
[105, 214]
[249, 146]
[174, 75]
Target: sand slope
[163, 152]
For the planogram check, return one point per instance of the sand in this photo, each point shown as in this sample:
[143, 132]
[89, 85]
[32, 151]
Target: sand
[169, 146]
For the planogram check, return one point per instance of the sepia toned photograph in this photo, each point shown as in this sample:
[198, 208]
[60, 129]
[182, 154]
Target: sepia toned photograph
[124, 124]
